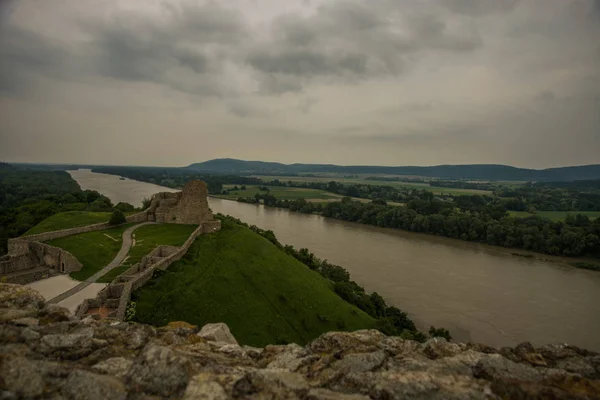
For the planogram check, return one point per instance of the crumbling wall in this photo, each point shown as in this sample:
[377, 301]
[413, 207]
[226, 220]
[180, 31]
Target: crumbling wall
[190, 206]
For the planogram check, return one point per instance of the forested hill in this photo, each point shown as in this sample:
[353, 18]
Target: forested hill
[473, 171]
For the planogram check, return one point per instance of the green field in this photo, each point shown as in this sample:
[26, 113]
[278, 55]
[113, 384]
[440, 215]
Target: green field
[361, 180]
[69, 219]
[238, 277]
[93, 249]
[146, 239]
[279, 192]
[554, 215]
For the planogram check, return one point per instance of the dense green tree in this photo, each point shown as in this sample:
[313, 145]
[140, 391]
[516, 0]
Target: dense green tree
[117, 218]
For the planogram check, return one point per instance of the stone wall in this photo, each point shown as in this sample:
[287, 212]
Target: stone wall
[138, 275]
[56, 258]
[190, 206]
[23, 267]
[28, 252]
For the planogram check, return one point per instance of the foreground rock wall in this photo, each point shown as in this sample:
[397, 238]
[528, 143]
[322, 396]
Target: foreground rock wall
[44, 353]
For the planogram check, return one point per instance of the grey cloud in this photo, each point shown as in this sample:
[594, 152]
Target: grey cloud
[24, 52]
[245, 109]
[545, 97]
[480, 7]
[355, 41]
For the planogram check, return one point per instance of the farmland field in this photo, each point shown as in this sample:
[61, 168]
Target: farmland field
[363, 181]
[554, 215]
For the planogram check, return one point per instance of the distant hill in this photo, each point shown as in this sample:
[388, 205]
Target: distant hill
[469, 171]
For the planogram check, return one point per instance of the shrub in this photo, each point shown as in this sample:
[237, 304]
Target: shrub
[440, 332]
[125, 207]
[117, 218]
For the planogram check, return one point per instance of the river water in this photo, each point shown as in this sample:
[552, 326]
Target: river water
[481, 293]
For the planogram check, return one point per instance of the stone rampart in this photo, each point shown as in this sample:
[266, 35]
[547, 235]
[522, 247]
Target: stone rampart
[56, 258]
[138, 275]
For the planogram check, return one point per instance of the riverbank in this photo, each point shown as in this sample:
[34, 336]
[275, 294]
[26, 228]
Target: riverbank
[479, 292]
[590, 264]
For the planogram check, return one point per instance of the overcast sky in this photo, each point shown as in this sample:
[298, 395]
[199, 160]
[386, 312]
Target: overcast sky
[385, 82]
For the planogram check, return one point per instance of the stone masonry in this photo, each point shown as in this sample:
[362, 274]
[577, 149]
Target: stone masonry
[47, 354]
[29, 259]
[190, 206]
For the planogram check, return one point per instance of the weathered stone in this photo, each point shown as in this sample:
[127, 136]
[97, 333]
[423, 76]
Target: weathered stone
[200, 388]
[579, 366]
[218, 332]
[54, 313]
[11, 314]
[83, 385]
[29, 335]
[360, 362]
[271, 383]
[159, 370]
[115, 366]
[289, 357]
[439, 347]
[137, 336]
[100, 359]
[21, 376]
[27, 321]
[325, 394]
[18, 296]
[362, 341]
[73, 341]
[190, 206]
[494, 366]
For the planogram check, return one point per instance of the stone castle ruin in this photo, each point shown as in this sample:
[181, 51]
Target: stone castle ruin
[186, 207]
[30, 259]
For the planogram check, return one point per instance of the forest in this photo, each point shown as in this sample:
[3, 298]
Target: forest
[28, 196]
[176, 177]
[472, 218]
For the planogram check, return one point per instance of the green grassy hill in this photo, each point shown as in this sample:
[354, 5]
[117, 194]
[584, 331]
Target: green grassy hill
[93, 249]
[69, 219]
[147, 238]
[238, 277]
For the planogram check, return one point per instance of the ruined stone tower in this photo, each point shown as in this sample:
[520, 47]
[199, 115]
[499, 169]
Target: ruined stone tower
[190, 206]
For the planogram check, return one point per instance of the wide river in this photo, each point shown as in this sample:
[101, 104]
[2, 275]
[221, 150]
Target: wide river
[481, 293]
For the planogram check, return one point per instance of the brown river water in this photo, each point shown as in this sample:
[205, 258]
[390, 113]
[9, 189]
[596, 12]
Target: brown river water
[481, 293]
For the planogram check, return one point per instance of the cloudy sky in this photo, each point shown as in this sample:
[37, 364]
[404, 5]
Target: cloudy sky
[387, 82]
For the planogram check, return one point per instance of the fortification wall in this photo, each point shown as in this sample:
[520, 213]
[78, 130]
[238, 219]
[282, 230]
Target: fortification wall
[138, 275]
[17, 263]
[139, 217]
[56, 258]
[46, 236]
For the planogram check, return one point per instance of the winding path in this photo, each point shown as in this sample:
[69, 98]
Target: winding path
[127, 242]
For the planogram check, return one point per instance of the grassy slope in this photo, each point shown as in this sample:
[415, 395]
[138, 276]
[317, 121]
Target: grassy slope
[93, 249]
[264, 295]
[554, 215]
[146, 239]
[69, 219]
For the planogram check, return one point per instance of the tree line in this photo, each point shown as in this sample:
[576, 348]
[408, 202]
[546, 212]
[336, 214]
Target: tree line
[27, 197]
[470, 218]
[176, 177]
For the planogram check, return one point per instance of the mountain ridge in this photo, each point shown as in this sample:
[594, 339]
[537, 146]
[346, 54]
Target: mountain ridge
[445, 171]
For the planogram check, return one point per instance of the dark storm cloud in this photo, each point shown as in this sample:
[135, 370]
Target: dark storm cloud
[479, 7]
[405, 79]
[184, 48]
[24, 53]
[353, 41]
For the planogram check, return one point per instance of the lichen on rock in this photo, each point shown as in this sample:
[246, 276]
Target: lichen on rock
[45, 356]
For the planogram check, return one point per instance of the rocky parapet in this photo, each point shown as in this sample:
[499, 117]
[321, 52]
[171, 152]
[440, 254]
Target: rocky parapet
[46, 353]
